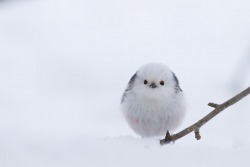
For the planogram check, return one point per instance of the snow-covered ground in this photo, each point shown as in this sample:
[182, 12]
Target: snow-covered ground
[65, 64]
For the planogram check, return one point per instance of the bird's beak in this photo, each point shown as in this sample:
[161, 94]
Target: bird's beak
[152, 85]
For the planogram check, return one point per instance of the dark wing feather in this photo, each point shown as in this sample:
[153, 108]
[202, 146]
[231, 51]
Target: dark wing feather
[129, 87]
[177, 86]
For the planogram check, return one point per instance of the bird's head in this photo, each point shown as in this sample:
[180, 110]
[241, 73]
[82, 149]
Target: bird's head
[154, 80]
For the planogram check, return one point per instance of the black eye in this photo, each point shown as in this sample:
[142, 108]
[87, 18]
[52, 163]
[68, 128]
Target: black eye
[145, 82]
[162, 82]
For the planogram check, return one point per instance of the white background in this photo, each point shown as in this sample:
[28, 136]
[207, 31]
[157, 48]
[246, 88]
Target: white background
[65, 64]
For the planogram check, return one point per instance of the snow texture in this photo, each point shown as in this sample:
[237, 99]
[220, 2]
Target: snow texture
[65, 64]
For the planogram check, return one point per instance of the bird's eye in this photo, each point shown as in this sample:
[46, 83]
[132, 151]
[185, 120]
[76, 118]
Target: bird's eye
[162, 82]
[145, 82]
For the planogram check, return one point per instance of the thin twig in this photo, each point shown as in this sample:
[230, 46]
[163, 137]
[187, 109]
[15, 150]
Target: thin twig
[196, 126]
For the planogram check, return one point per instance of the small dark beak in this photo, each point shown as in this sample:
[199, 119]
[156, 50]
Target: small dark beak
[152, 85]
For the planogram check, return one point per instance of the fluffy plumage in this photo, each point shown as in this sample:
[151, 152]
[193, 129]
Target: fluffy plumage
[153, 101]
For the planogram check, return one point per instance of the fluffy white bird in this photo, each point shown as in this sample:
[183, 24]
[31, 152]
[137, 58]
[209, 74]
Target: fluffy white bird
[153, 102]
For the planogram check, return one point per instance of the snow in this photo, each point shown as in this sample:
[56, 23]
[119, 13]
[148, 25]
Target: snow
[65, 64]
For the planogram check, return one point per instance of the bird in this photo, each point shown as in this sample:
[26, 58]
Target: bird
[153, 102]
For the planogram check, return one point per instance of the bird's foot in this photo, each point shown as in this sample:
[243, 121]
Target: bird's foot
[167, 139]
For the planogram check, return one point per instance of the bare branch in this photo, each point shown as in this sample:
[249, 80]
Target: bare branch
[197, 134]
[213, 105]
[196, 126]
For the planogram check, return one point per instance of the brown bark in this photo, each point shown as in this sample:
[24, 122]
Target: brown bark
[196, 126]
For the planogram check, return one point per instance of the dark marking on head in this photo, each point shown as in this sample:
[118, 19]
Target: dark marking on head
[177, 86]
[129, 87]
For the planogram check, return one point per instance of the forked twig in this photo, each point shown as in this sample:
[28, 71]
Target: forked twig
[196, 126]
